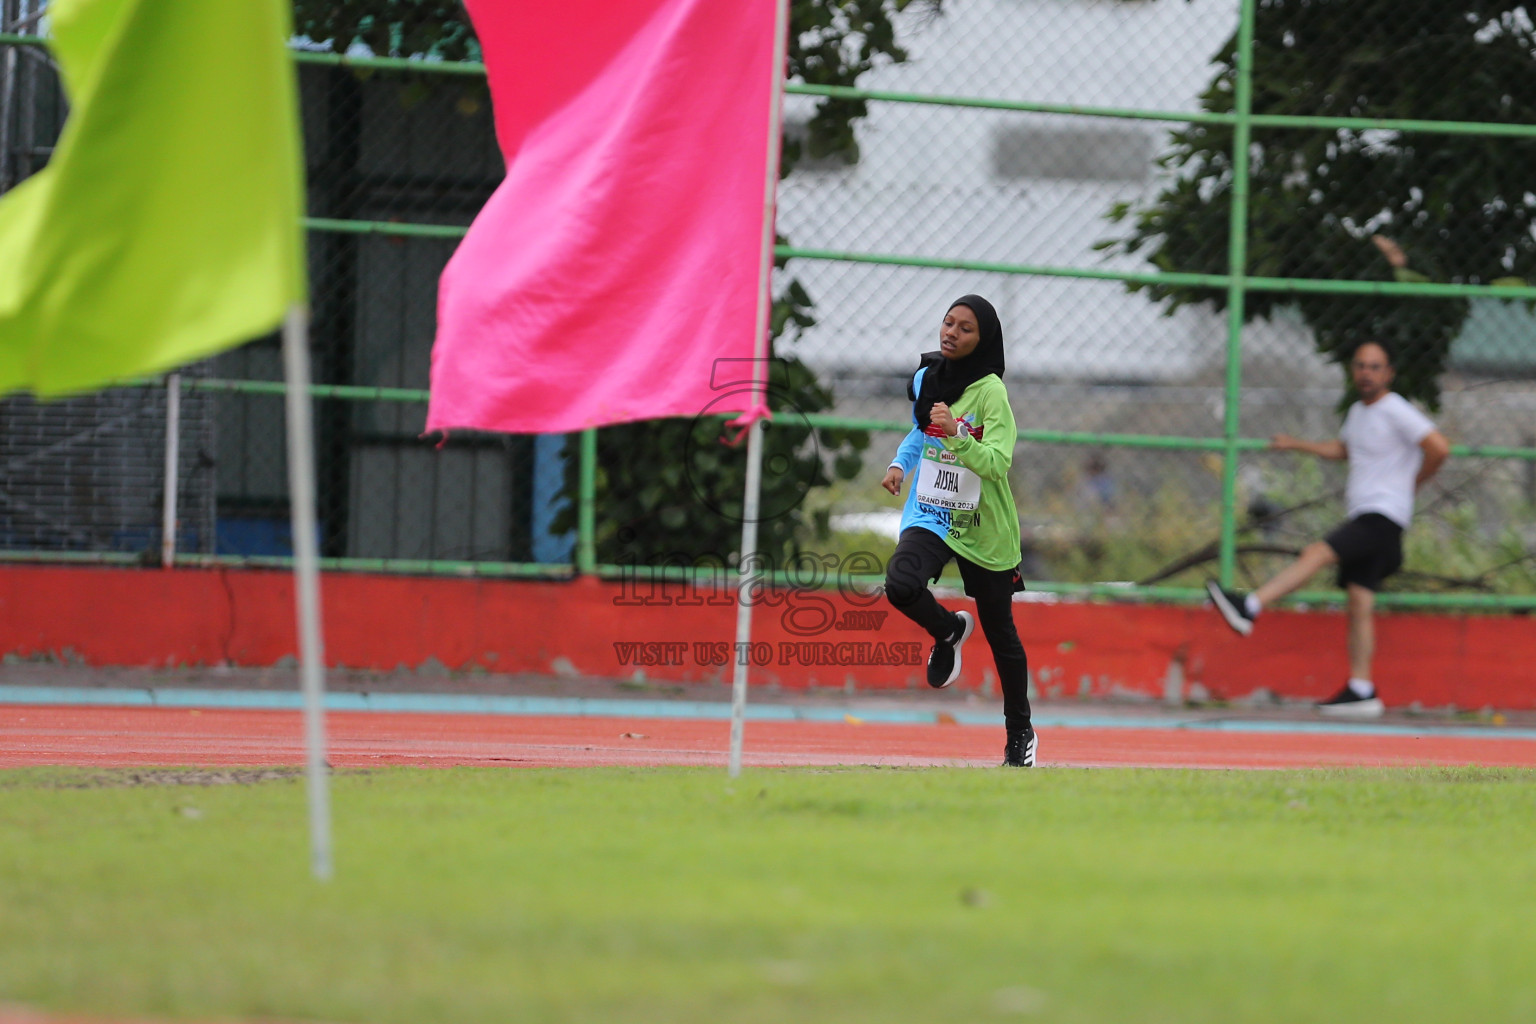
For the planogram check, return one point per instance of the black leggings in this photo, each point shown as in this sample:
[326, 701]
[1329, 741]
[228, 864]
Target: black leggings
[920, 557]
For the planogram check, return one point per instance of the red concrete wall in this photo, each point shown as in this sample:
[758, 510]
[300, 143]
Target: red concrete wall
[588, 627]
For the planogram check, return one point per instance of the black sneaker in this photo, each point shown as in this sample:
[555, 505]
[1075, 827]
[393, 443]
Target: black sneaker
[1020, 751]
[1349, 704]
[1232, 607]
[944, 659]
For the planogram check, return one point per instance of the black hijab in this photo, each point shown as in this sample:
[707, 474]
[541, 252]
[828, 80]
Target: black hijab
[946, 379]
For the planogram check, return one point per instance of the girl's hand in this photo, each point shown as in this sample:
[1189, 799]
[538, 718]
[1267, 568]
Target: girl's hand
[942, 418]
[893, 478]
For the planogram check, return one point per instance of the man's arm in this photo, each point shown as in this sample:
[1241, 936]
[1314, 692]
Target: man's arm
[1436, 450]
[1333, 449]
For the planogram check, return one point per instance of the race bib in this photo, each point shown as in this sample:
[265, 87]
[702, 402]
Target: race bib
[944, 483]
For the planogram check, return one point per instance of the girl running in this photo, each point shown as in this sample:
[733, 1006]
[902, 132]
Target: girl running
[961, 508]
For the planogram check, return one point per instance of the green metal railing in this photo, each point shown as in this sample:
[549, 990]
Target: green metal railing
[1237, 263]
[587, 564]
[1279, 285]
[1236, 283]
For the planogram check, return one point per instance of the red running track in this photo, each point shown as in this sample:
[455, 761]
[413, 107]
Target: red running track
[126, 737]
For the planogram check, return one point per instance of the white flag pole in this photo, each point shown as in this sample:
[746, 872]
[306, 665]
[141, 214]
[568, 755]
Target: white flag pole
[750, 502]
[744, 591]
[306, 579]
[172, 470]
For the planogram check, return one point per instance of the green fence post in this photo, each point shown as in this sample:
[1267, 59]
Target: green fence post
[1237, 263]
[586, 543]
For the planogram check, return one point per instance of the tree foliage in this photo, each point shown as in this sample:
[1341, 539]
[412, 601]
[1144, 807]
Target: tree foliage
[833, 42]
[1361, 205]
[671, 489]
[390, 28]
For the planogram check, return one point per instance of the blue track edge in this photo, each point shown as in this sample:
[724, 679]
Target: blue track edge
[610, 707]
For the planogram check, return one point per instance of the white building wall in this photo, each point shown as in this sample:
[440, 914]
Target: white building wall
[927, 185]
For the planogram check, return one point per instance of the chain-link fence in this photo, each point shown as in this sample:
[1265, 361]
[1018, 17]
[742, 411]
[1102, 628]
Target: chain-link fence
[1074, 161]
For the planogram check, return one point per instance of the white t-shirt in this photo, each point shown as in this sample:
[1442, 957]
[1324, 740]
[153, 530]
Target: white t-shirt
[1382, 440]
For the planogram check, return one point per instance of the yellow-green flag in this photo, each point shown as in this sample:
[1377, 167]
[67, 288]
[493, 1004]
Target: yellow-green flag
[166, 226]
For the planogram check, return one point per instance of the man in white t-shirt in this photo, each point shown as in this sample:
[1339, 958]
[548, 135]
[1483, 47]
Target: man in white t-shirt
[1392, 449]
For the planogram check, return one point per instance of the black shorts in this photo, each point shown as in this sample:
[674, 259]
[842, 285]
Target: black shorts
[1370, 548]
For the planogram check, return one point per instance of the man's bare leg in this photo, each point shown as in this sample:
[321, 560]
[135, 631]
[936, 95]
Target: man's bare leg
[1358, 697]
[1315, 556]
[1361, 604]
[1240, 611]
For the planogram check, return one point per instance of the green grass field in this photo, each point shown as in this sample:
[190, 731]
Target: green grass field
[679, 895]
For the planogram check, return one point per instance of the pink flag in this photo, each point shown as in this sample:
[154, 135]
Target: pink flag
[619, 259]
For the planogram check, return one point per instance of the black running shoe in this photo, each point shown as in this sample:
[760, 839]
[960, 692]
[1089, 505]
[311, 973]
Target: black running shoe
[1020, 751]
[944, 659]
[1232, 607]
[1349, 704]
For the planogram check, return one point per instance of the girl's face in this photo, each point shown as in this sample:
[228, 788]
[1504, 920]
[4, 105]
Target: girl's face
[960, 334]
